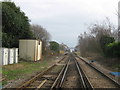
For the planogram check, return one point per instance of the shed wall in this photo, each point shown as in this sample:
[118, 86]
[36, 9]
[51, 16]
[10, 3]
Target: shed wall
[30, 50]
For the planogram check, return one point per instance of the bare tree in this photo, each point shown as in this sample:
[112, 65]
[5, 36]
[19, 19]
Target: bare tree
[118, 15]
[103, 28]
[41, 34]
[90, 42]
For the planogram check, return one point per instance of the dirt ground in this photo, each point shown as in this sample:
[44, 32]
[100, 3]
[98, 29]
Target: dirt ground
[96, 79]
[107, 66]
[18, 82]
[52, 75]
[109, 63]
[72, 77]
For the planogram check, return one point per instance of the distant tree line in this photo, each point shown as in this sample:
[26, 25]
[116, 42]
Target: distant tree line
[102, 39]
[54, 46]
[16, 25]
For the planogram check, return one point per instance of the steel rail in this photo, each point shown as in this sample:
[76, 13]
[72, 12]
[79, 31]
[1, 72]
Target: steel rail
[34, 78]
[64, 74]
[80, 74]
[61, 77]
[58, 77]
[85, 81]
[24, 85]
[58, 80]
[109, 78]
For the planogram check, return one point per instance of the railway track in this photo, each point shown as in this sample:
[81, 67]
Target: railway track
[48, 76]
[72, 76]
[69, 73]
[107, 82]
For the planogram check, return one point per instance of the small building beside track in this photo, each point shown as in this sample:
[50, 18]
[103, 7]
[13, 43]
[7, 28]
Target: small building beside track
[30, 49]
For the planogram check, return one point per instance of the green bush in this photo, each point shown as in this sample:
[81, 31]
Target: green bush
[113, 49]
[54, 46]
[104, 41]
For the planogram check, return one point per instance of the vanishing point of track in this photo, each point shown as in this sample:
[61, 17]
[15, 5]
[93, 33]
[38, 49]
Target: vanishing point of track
[67, 73]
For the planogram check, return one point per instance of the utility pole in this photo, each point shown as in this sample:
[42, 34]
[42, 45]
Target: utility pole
[119, 21]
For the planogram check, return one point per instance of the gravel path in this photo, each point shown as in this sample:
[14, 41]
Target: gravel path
[104, 69]
[96, 79]
[72, 77]
[18, 82]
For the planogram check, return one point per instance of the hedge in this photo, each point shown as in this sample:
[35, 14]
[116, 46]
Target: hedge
[112, 49]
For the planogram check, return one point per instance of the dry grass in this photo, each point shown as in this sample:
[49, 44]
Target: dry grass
[112, 64]
[14, 66]
[17, 71]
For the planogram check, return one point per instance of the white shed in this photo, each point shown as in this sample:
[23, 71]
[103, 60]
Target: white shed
[30, 49]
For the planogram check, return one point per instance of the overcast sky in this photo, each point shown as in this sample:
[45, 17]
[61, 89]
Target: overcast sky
[66, 19]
